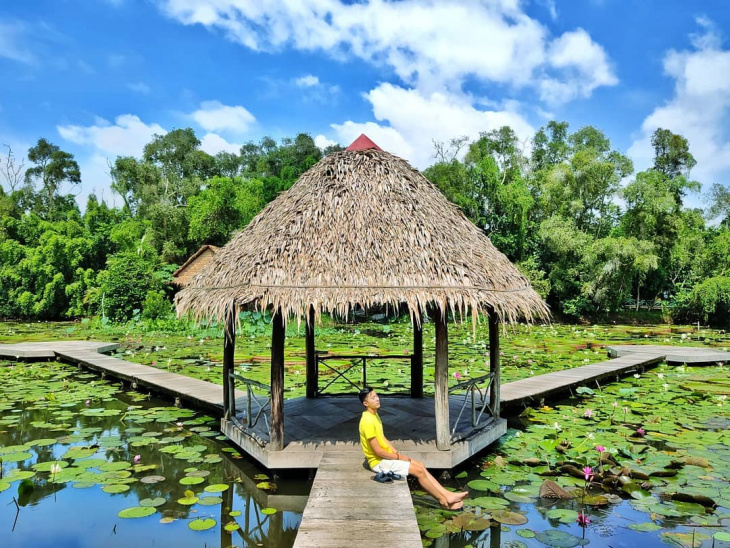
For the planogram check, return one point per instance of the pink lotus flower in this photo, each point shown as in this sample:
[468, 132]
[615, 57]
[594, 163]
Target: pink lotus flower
[640, 431]
[137, 458]
[457, 375]
[588, 413]
[600, 448]
[88, 403]
[583, 520]
[587, 472]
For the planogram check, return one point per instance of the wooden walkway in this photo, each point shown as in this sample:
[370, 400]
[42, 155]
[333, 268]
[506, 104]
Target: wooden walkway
[347, 508]
[534, 389]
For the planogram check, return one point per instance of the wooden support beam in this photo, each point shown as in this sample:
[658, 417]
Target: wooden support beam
[276, 427]
[312, 381]
[494, 366]
[417, 358]
[229, 349]
[441, 382]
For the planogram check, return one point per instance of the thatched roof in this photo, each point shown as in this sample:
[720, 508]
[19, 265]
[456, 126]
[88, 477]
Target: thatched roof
[361, 227]
[197, 261]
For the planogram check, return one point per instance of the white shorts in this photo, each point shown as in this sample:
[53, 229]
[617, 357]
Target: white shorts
[396, 466]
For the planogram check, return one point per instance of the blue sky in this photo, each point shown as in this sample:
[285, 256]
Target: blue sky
[100, 77]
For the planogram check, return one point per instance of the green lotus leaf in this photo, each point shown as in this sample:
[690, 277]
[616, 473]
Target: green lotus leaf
[231, 526]
[187, 501]
[558, 539]
[42, 442]
[484, 485]
[217, 488]
[684, 540]
[155, 502]
[198, 473]
[46, 466]
[4, 485]
[268, 511]
[722, 536]
[201, 524]
[212, 459]
[509, 518]
[210, 501]
[136, 512]
[13, 449]
[516, 497]
[82, 484]
[489, 503]
[78, 452]
[16, 474]
[191, 480]
[152, 479]
[645, 527]
[266, 485]
[16, 457]
[234, 513]
[115, 466]
[115, 488]
[563, 515]
[526, 533]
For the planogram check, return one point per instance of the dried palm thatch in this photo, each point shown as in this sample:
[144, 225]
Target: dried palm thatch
[361, 227]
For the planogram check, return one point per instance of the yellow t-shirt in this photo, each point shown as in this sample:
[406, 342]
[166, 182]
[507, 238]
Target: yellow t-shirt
[371, 427]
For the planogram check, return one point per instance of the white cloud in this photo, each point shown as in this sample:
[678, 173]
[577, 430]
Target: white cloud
[213, 144]
[215, 116]
[307, 81]
[12, 42]
[699, 109]
[126, 137]
[323, 142]
[583, 64]
[430, 44]
[139, 87]
[415, 120]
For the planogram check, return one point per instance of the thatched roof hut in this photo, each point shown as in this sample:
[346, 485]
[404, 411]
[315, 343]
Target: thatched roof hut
[195, 263]
[361, 227]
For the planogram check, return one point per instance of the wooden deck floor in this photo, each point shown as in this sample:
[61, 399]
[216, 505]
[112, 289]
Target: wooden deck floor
[346, 508]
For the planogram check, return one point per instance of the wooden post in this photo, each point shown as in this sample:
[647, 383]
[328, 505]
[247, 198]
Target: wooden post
[276, 428]
[229, 348]
[494, 367]
[312, 381]
[441, 382]
[417, 358]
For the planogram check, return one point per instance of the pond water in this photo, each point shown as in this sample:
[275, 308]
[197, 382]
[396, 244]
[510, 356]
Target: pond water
[85, 463]
[656, 451]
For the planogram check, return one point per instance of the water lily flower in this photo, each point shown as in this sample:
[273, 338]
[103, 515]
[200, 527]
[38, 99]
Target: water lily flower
[179, 424]
[666, 386]
[660, 375]
[615, 404]
[88, 403]
[600, 448]
[557, 426]
[137, 458]
[457, 375]
[529, 361]
[637, 376]
[55, 469]
[591, 436]
[587, 472]
[640, 431]
[588, 413]
[583, 519]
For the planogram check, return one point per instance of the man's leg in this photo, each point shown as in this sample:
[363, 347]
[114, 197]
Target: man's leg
[445, 498]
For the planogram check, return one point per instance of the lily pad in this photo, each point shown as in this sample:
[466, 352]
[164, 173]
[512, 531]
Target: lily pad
[115, 488]
[558, 539]
[645, 527]
[136, 512]
[152, 479]
[217, 488]
[191, 480]
[507, 517]
[188, 501]
[563, 515]
[268, 511]
[201, 524]
[154, 503]
[210, 501]
[484, 485]
[231, 526]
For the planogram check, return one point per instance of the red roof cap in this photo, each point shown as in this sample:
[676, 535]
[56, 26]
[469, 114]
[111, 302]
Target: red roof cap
[363, 143]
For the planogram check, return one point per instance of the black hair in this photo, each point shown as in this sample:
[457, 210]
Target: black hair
[364, 393]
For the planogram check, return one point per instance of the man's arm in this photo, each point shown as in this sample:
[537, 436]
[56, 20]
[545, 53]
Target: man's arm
[383, 453]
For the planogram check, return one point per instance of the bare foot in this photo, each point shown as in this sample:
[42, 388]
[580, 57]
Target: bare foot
[455, 505]
[453, 498]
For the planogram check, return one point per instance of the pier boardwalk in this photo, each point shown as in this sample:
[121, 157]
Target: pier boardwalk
[345, 507]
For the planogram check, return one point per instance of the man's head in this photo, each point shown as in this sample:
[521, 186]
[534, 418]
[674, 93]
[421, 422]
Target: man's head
[369, 398]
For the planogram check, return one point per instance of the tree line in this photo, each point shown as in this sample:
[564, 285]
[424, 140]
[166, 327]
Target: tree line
[590, 234]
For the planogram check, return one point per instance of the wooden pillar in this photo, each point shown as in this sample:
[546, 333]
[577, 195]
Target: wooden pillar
[441, 382]
[417, 358]
[494, 361]
[312, 381]
[229, 349]
[276, 428]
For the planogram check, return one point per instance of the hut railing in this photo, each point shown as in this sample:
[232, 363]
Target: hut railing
[473, 388]
[251, 399]
[356, 359]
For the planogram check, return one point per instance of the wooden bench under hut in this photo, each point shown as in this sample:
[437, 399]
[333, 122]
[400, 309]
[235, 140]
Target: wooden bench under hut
[361, 228]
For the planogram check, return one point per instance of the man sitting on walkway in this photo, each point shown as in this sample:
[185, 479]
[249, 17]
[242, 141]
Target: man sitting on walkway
[382, 457]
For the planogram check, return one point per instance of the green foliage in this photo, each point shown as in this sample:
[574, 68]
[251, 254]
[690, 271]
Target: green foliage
[708, 301]
[125, 285]
[52, 168]
[156, 305]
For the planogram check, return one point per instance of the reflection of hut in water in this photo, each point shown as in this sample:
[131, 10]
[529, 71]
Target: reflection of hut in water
[190, 268]
[362, 228]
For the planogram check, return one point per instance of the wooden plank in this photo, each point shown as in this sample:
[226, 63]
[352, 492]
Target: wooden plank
[441, 382]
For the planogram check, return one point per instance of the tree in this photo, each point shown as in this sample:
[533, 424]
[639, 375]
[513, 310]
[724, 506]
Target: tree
[12, 170]
[719, 203]
[673, 160]
[550, 145]
[52, 168]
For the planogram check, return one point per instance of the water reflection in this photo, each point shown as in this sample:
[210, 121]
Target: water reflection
[138, 449]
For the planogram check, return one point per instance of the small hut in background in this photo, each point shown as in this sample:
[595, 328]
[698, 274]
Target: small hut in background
[197, 261]
[361, 228]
